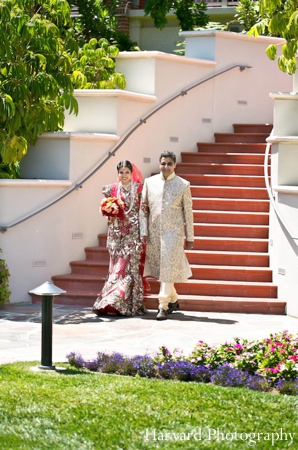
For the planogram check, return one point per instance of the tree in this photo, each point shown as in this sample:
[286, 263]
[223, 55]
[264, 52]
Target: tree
[40, 65]
[35, 80]
[94, 66]
[189, 13]
[247, 14]
[4, 283]
[279, 18]
[97, 19]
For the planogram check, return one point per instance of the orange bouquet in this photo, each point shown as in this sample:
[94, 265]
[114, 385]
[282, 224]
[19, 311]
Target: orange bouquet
[112, 207]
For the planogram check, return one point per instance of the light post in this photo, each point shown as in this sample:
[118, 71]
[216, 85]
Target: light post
[47, 291]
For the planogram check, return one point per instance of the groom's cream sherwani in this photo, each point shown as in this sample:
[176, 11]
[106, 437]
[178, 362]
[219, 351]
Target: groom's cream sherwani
[166, 222]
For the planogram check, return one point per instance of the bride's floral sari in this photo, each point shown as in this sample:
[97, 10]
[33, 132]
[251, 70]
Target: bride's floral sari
[123, 290]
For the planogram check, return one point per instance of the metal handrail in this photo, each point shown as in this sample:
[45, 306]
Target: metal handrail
[269, 190]
[242, 67]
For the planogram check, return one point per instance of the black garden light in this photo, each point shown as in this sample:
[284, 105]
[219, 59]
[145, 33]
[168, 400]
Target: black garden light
[47, 291]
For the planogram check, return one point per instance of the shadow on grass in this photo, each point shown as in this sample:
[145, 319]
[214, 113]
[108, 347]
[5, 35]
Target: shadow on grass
[33, 367]
[69, 371]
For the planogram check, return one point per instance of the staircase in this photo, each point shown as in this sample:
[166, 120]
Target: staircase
[230, 260]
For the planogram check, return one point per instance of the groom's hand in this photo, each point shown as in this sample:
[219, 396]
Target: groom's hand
[189, 245]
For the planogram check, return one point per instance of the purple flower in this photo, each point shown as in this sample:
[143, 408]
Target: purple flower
[144, 366]
[288, 387]
[75, 360]
[226, 375]
[183, 371]
[257, 383]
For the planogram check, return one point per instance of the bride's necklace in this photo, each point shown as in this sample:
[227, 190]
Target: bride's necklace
[132, 195]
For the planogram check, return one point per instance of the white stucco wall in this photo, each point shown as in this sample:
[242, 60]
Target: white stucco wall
[241, 94]
[284, 211]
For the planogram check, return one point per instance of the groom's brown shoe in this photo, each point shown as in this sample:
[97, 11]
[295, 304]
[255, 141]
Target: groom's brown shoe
[162, 315]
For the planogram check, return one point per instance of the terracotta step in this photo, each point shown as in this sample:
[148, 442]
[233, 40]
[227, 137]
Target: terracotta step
[231, 231]
[212, 243]
[231, 217]
[97, 254]
[220, 169]
[229, 192]
[222, 158]
[90, 267]
[216, 258]
[86, 282]
[252, 128]
[223, 204]
[230, 304]
[95, 270]
[80, 282]
[226, 244]
[224, 180]
[204, 303]
[200, 243]
[231, 273]
[72, 297]
[231, 147]
[241, 137]
[221, 288]
[102, 239]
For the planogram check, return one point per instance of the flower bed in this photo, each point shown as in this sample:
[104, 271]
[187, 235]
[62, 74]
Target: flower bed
[259, 365]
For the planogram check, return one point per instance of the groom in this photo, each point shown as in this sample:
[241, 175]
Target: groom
[166, 217]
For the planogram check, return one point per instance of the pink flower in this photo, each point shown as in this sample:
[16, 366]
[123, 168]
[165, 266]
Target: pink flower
[272, 369]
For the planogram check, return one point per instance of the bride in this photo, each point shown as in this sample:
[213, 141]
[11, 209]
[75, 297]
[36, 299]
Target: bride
[123, 291]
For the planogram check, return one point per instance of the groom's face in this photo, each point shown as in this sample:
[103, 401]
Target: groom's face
[167, 166]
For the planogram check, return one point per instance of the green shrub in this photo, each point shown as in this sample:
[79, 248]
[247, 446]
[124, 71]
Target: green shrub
[4, 285]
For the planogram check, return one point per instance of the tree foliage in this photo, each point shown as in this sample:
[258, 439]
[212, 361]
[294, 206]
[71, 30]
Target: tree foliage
[34, 76]
[94, 66]
[247, 14]
[98, 19]
[4, 282]
[40, 65]
[189, 13]
[279, 18]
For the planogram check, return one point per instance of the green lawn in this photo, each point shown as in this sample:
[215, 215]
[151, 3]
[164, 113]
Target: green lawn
[76, 409]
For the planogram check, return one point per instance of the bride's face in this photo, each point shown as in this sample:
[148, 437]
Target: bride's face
[125, 175]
